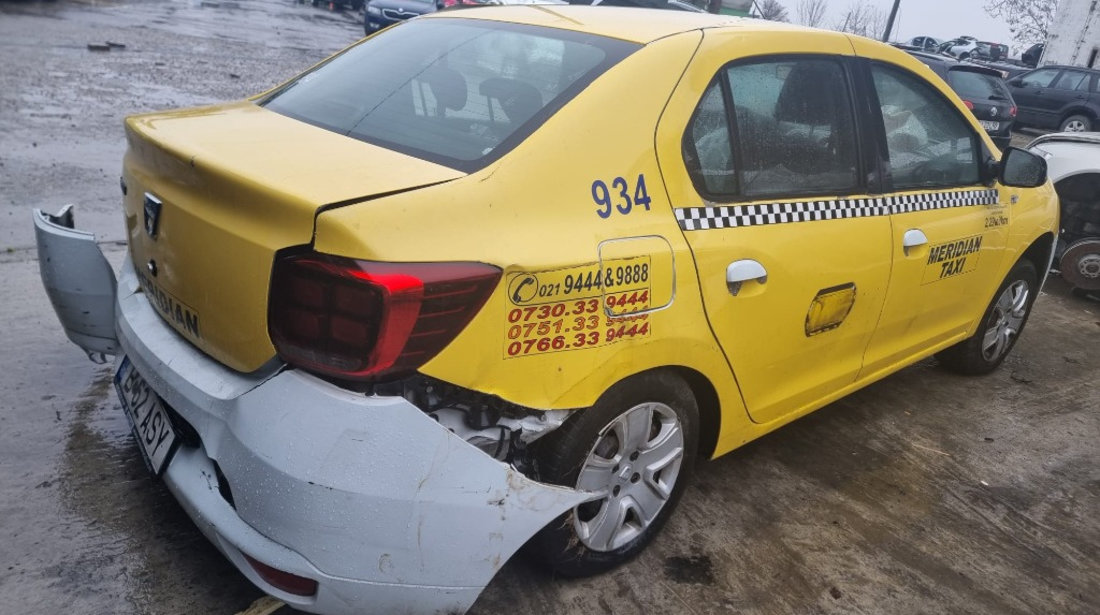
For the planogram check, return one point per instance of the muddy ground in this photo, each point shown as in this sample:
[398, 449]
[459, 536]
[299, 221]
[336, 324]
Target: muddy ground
[925, 493]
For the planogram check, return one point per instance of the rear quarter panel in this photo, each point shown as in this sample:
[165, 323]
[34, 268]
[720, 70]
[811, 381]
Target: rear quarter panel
[533, 211]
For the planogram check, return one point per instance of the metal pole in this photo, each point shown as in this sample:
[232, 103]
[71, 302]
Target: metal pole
[890, 22]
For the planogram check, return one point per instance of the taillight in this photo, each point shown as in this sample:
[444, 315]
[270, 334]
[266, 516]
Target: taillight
[1012, 111]
[363, 320]
[969, 105]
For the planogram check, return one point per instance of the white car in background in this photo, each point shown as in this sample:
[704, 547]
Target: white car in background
[925, 43]
[1073, 163]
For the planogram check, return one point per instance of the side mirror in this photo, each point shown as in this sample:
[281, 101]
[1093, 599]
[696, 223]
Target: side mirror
[1016, 83]
[1022, 169]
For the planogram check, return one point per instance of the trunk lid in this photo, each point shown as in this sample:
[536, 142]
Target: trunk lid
[213, 193]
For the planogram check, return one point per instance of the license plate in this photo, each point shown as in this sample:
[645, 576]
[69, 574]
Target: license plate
[150, 421]
[988, 125]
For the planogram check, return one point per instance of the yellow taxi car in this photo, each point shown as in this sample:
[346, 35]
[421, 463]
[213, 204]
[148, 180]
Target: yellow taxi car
[499, 276]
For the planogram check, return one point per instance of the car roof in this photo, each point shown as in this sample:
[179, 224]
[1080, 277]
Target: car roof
[1066, 66]
[638, 25]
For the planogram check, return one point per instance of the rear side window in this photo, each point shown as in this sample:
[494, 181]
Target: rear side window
[709, 138]
[458, 92]
[972, 85]
[793, 132]
[1070, 80]
[930, 145]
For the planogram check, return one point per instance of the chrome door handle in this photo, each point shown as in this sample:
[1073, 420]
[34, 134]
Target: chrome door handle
[913, 238]
[741, 271]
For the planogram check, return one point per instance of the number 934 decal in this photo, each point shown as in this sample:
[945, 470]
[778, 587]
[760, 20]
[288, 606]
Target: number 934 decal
[617, 197]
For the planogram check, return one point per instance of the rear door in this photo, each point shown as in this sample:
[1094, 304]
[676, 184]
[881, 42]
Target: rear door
[769, 188]
[1069, 92]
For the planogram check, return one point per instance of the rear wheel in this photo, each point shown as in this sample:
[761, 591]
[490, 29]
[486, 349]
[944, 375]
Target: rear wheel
[1000, 326]
[1080, 264]
[1076, 123]
[634, 450]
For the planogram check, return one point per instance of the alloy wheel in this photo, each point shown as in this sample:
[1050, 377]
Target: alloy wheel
[1005, 320]
[1074, 126]
[632, 470]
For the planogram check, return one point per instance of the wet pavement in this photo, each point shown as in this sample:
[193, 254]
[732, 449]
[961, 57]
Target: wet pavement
[924, 493]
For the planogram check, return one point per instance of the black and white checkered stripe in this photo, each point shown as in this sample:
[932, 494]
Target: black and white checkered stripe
[734, 216]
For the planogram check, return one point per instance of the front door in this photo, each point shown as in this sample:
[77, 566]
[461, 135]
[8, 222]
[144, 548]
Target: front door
[769, 190]
[1032, 96]
[949, 228]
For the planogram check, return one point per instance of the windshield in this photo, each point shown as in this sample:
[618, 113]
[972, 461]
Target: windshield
[458, 92]
[971, 85]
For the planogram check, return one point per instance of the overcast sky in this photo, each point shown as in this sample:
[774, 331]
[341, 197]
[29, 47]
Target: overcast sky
[943, 19]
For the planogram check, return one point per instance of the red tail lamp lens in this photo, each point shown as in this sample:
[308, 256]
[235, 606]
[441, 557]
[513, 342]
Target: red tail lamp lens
[969, 105]
[1012, 111]
[364, 320]
[290, 583]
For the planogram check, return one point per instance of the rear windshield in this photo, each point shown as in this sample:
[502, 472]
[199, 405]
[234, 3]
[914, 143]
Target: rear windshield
[458, 92]
[976, 86]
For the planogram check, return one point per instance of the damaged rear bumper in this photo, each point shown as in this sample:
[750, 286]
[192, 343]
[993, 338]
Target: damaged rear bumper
[79, 282]
[386, 509]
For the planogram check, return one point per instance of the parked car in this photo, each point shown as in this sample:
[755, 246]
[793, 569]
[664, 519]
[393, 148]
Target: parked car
[1074, 162]
[967, 48]
[959, 47]
[382, 13]
[994, 52]
[484, 280]
[354, 5]
[924, 43]
[1065, 98]
[982, 90]
[1033, 54]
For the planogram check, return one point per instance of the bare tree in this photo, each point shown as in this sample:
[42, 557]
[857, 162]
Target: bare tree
[1028, 20]
[811, 12]
[771, 10]
[862, 19]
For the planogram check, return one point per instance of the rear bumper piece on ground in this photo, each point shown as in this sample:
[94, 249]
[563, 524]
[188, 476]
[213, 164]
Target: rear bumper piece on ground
[387, 510]
[78, 280]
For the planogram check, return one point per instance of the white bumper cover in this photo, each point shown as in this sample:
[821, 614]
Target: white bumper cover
[387, 510]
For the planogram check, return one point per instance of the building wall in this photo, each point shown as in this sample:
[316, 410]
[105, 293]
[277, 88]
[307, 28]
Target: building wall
[1074, 36]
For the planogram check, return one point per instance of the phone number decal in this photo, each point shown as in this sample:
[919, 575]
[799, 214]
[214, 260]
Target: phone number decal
[581, 282]
[570, 325]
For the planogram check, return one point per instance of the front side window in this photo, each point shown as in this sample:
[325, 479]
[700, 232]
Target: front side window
[1040, 78]
[454, 91]
[794, 132]
[930, 145]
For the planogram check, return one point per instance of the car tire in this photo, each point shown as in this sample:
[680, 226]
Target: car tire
[1076, 123]
[1000, 326]
[1080, 264]
[598, 450]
